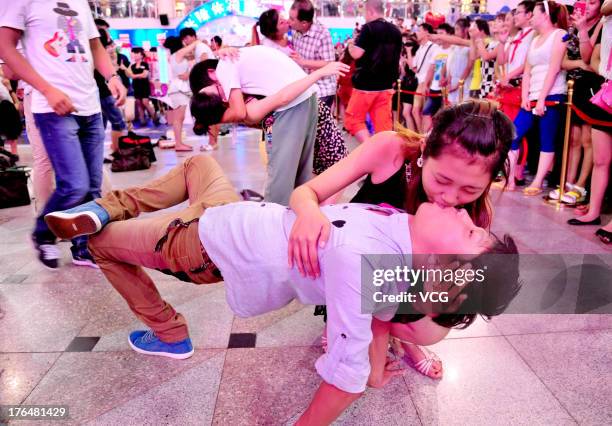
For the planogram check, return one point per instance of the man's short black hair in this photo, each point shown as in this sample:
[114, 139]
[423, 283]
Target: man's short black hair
[483, 26]
[101, 23]
[305, 10]
[427, 27]
[185, 32]
[217, 40]
[446, 28]
[528, 5]
[105, 38]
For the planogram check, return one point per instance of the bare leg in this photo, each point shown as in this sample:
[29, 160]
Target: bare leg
[178, 118]
[574, 154]
[602, 156]
[587, 157]
[417, 108]
[147, 104]
[140, 110]
[407, 113]
[544, 164]
[512, 159]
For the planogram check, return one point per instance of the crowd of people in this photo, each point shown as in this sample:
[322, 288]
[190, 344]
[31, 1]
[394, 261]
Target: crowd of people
[467, 94]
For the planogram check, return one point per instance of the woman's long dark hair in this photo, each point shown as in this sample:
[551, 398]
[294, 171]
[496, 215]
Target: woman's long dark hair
[206, 109]
[268, 24]
[173, 44]
[558, 14]
[477, 128]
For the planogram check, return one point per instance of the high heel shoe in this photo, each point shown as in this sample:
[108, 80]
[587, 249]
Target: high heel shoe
[576, 222]
[604, 236]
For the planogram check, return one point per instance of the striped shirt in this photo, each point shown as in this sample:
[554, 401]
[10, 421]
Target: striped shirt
[316, 45]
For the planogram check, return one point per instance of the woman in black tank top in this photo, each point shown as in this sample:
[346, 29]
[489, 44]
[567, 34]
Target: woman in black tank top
[473, 132]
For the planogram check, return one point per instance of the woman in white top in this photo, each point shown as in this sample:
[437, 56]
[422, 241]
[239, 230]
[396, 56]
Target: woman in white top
[543, 81]
[179, 93]
[274, 29]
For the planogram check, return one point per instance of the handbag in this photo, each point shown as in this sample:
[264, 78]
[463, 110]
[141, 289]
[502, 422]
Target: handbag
[132, 139]
[603, 98]
[130, 159]
[14, 187]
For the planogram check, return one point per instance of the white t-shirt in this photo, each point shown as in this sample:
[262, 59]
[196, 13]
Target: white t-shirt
[539, 58]
[178, 85]
[438, 59]
[518, 48]
[457, 61]
[56, 44]
[201, 49]
[261, 70]
[248, 243]
[422, 59]
[265, 41]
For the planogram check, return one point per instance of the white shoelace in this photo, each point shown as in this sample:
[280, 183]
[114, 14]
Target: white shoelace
[49, 251]
[149, 336]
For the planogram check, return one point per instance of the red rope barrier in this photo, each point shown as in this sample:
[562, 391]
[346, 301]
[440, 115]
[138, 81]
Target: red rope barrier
[590, 120]
[427, 95]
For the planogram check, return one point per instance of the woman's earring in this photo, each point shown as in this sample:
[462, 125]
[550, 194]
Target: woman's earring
[420, 161]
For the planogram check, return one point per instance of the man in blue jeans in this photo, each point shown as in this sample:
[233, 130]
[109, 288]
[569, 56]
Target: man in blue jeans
[62, 44]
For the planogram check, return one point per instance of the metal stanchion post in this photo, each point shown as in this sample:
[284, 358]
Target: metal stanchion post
[566, 141]
[461, 83]
[399, 103]
[444, 96]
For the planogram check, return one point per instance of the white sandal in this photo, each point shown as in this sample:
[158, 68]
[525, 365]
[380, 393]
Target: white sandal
[423, 366]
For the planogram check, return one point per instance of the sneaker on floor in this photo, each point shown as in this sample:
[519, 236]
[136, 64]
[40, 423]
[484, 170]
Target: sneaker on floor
[85, 219]
[146, 342]
[82, 257]
[48, 253]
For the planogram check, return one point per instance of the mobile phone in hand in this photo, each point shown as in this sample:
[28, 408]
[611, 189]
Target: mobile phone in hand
[580, 7]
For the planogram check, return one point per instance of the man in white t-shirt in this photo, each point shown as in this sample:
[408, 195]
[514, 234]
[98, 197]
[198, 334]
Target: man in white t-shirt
[290, 131]
[62, 47]
[202, 51]
[420, 66]
[436, 77]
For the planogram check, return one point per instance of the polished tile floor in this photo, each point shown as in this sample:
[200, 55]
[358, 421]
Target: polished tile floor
[63, 340]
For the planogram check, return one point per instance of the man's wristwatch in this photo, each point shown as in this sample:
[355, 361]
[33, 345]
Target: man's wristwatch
[111, 77]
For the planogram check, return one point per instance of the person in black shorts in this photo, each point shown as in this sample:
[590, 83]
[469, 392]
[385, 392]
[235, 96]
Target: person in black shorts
[139, 73]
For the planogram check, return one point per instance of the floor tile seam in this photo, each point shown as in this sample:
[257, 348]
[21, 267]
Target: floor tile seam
[214, 410]
[42, 378]
[555, 332]
[157, 385]
[550, 391]
[412, 401]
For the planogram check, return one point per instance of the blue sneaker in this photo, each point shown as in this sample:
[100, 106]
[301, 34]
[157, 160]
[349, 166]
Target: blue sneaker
[82, 257]
[146, 342]
[85, 219]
